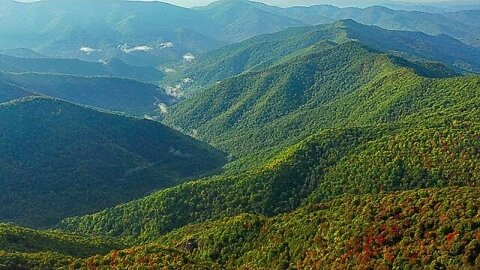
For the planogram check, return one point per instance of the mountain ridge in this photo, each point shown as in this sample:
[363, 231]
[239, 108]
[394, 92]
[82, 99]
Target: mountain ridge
[42, 136]
[120, 95]
[112, 68]
[263, 51]
[253, 104]
[281, 165]
[148, 33]
[334, 146]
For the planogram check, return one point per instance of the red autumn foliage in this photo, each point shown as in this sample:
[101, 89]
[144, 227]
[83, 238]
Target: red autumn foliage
[451, 236]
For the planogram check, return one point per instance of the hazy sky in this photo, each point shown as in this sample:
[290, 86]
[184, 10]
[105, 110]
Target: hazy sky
[190, 3]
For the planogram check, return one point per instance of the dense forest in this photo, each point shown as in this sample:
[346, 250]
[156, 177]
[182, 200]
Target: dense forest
[417, 229]
[282, 104]
[263, 51]
[109, 93]
[421, 229]
[11, 92]
[322, 167]
[238, 135]
[22, 248]
[59, 159]
[408, 126]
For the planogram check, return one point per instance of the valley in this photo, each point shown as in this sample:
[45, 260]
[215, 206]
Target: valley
[239, 135]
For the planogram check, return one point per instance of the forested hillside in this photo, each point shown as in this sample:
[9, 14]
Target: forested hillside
[348, 84]
[265, 51]
[9, 91]
[22, 248]
[153, 142]
[424, 228]
[114, 94]
[333, 163]
[383, 124]
[18, 239]
[59, 160]
[112, 68]
[406, 131]
[420, 229]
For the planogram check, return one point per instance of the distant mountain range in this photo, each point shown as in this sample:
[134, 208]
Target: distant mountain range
[111, 68]
[114, 94]
[111, 85]
[456, 24]
[155, 33]
[429, 6]
[266, 50]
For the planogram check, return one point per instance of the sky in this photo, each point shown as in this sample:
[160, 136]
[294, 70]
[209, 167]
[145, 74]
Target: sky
[284, 3]
[190, 3]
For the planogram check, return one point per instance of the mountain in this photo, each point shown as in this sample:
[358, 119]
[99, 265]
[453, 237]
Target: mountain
[22, 53]
[430, 23]
[440, 48]
[17, 239]
[328, 165]
[242, 20]
[439, 7]
[107, 29]
[380, 127]
[114, 94]
[138, 33]
[60, 160]
[383, 230]
[156, 257]
[334, 146]
[9, 91]
[234, 59]
[155, 33]
[425, 228]
[262, 109]
[468, 17]
[263, 51]
[112, 68]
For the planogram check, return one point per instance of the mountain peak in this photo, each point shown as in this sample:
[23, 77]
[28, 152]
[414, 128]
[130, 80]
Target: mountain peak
[346, 23]
[227, 4]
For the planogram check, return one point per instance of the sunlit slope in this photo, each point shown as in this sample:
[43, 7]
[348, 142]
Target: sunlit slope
[264, 51]
[346, 85]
